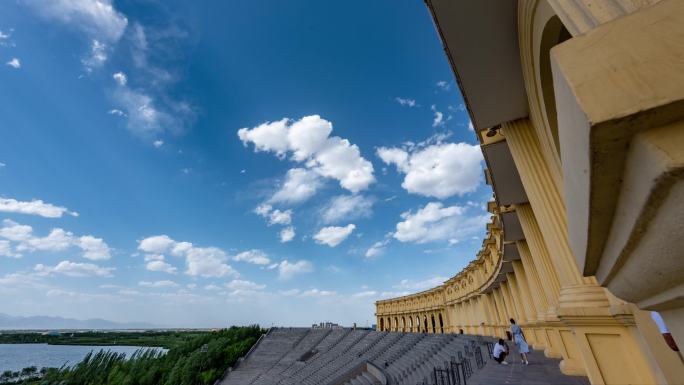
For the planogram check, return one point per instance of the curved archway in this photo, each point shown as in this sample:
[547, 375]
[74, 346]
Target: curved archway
[389, 324]
[403, 324]
[396, 324]
[417, 324]
[425, 324]
[382, 324]
[554, 33]
[410, 324]
[434, 330]
[441, 324]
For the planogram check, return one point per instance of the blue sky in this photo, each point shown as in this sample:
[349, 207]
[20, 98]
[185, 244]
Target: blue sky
[230, 162]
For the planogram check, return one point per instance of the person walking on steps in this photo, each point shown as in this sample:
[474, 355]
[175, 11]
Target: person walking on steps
[500, 352]
[519, 339]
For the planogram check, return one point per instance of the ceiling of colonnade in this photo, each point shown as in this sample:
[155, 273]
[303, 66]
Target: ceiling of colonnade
[190, 164]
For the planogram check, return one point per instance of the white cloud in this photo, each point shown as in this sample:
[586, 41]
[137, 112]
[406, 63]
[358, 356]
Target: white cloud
[334, 235]
[57, 240]
[208, 262]
[275, 217]
[14, 63]
[200, 261]
[157, 284]
[347, 207]
[160, 265]
[94, 249]
[97, 57]
[443, 85]
[376, 249]
[95, 17]
[144, 118]
[365, 294]
[439, 170]
[98, 19]
[287, 234]
[309, 141]
[34, 207]
[439, 117]
[120, 78]
[425, 284]
[158, 143]
[318, 293]
[300, 184]
[2, 165]
[238, 284]
[157, 244]
[116, 112]
[74, 269]
[287, 270]
[434, 222]
[406, 101]
[6, 250]
[254, 256]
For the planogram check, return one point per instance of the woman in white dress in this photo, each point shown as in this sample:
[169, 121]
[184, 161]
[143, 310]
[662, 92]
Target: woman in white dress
[519, 339]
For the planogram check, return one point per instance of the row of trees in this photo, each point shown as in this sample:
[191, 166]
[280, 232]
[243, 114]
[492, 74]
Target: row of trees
[198, 361]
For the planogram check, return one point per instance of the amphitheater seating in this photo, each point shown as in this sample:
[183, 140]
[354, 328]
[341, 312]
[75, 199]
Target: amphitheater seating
[299, 356]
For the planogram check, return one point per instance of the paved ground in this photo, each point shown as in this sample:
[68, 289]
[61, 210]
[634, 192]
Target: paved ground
[540, 371]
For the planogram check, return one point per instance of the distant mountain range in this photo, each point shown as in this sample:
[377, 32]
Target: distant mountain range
[53, 323]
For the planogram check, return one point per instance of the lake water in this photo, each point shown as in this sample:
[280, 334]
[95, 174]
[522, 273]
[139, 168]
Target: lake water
[19, 356]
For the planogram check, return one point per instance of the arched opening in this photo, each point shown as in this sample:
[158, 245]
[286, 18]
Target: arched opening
[382, 324]
[389, 324]
[417, 324]
[434, 329]
[554, 34]
[425, 325]
[396, 324]
[410, 324]
[403, 324]
[441, 324]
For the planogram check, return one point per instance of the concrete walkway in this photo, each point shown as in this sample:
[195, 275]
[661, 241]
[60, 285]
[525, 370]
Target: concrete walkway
[540, 371]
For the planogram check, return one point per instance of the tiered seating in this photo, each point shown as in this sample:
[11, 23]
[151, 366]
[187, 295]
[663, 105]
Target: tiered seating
[333, 357]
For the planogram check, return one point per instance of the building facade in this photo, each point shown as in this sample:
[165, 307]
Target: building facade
[579, 109]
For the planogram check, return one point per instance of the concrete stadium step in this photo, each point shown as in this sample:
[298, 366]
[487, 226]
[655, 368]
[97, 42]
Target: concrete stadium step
[299, 356]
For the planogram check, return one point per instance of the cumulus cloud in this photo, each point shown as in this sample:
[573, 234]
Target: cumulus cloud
[157, 284]
[439, 117]
[287, 270]
[334, 235]
[120, 78]
[74, 269]
[34, 207]
[93, 248]
[199, 261]
[238, 284]
[158, 143]
[347, 207]
[287, 234]
[439, 170]
[318, 293]
[308, 141]
[407, 102]
[256, 257]
[300, 184]
[409, 284]
[57, 240]
[161, 266]
[14, 63]
[376, 249]
[274, 217]
[6, 250]
[434, 222]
